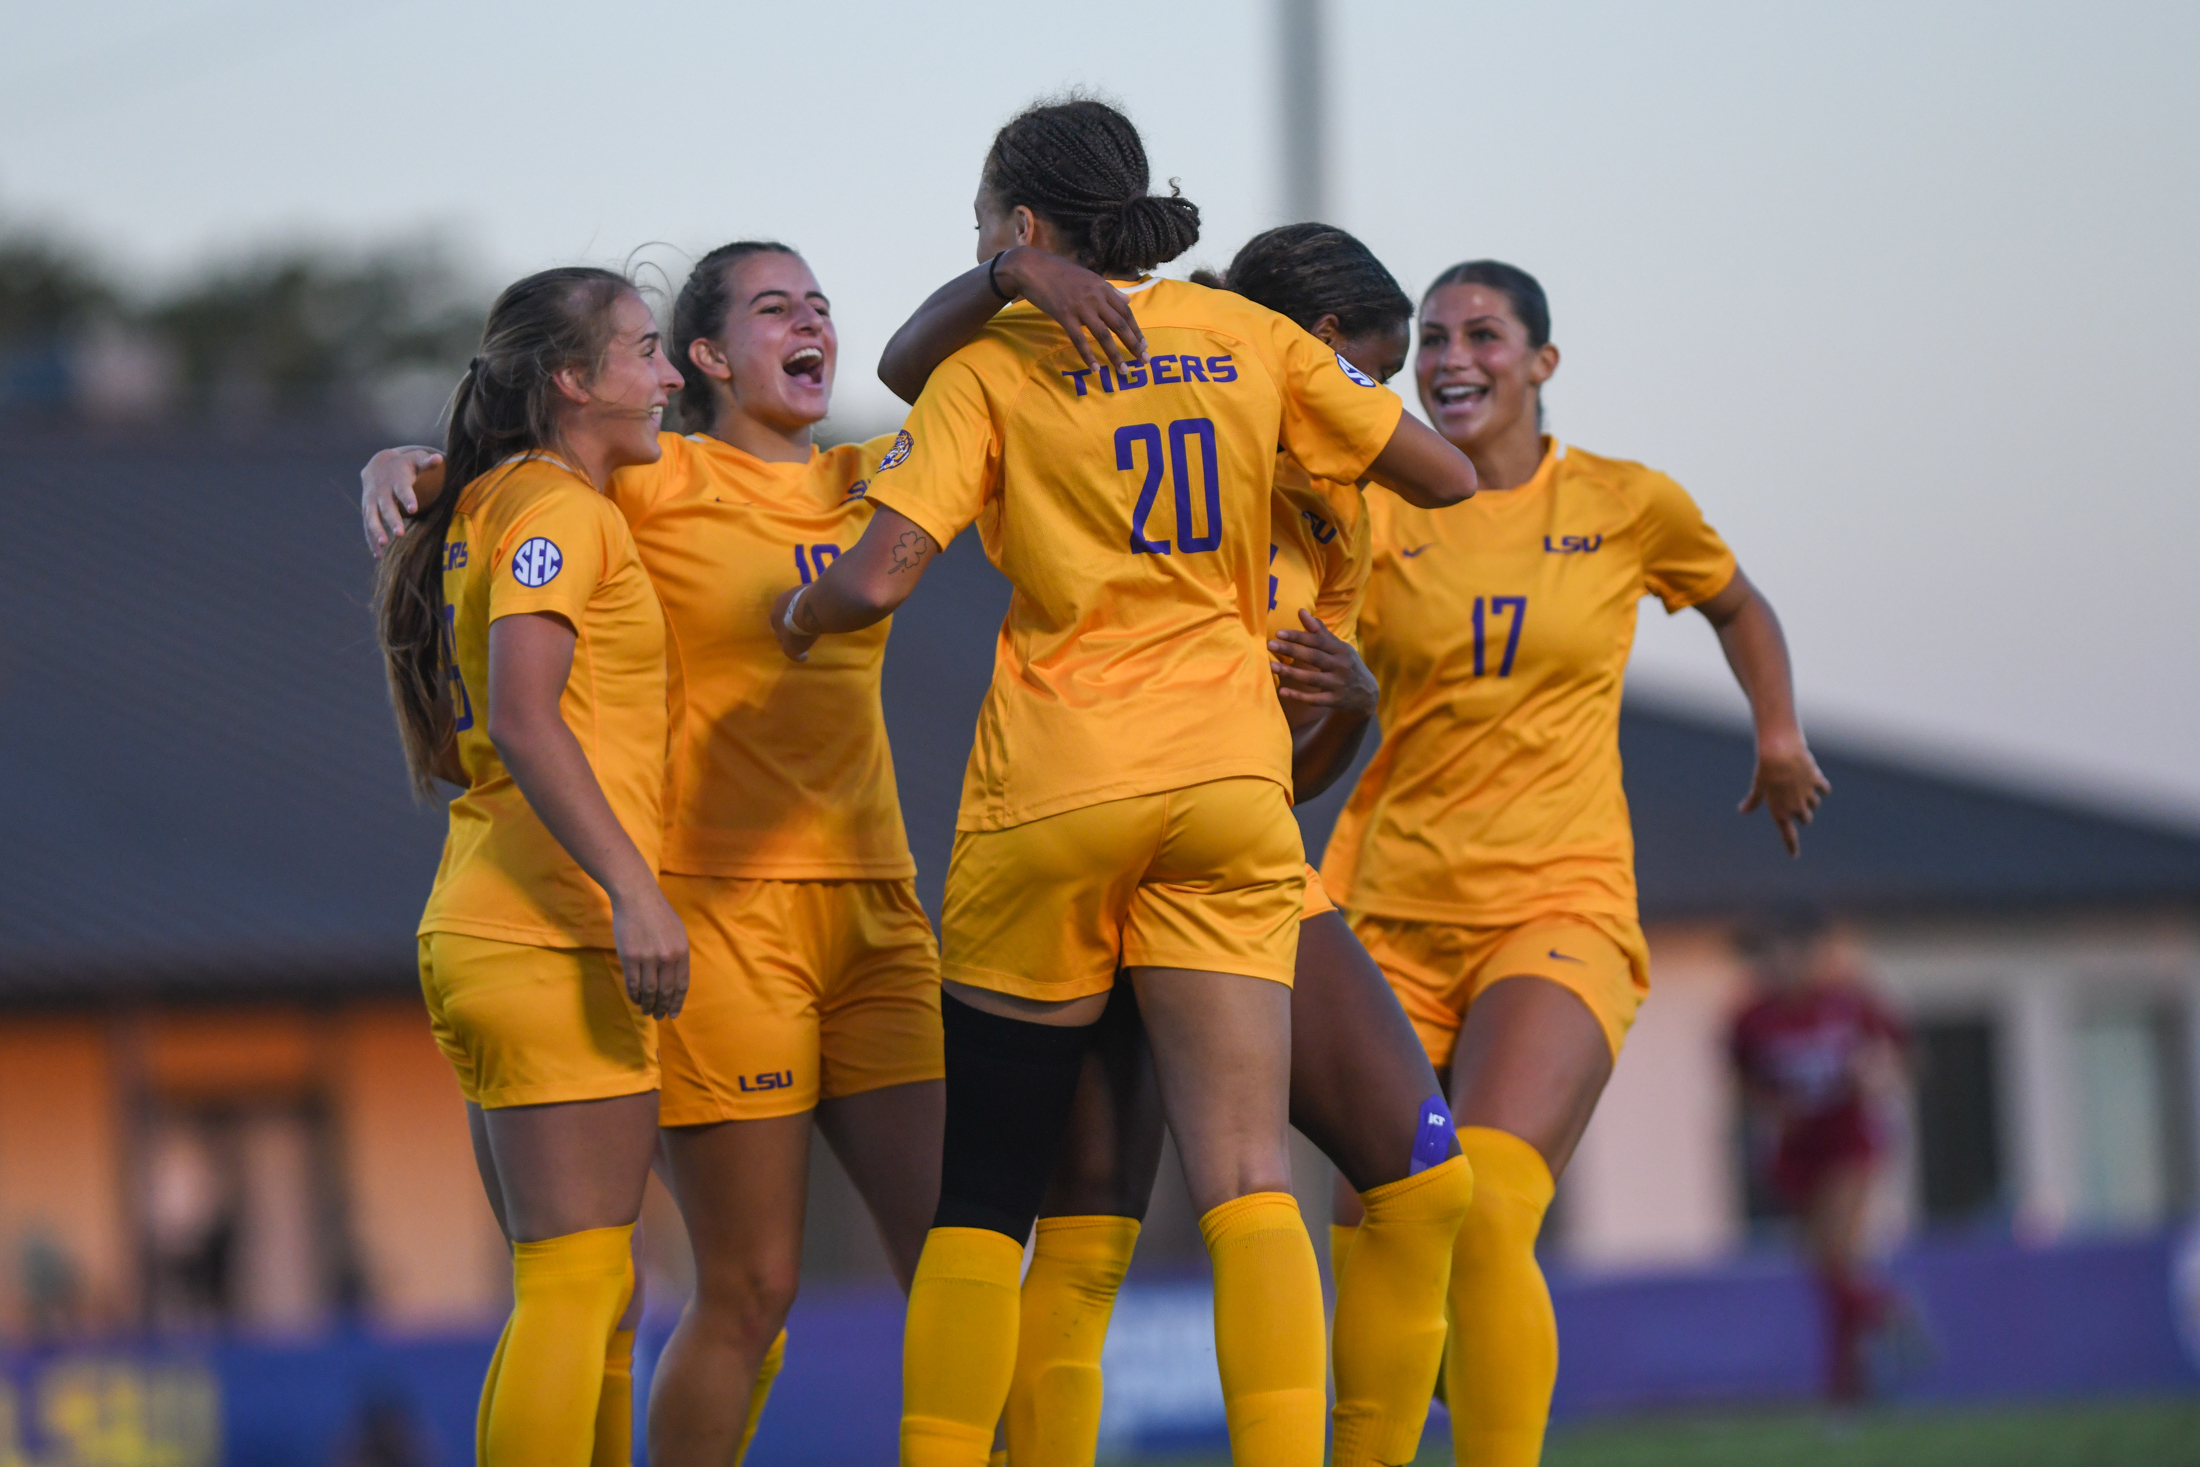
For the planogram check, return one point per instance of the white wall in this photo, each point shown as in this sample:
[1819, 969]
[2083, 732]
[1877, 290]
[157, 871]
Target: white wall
[1656, 1183]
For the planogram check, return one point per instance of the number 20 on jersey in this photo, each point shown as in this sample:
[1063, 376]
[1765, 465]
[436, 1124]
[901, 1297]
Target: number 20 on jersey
[1146, 438]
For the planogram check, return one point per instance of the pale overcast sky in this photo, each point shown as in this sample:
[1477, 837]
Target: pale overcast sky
[1905, 293]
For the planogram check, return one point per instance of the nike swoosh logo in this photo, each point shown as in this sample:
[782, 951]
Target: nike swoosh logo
[1416, 550]
[1562, 957]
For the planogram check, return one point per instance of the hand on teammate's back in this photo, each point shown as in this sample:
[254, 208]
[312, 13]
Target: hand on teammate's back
[1079, 301]
[1320, 668]
[1789, 784]
[795, 644]
[389, 490]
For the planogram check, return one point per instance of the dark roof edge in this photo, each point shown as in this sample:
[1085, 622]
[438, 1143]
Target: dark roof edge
[2165, 902]
[1916, 756]
[296, 976]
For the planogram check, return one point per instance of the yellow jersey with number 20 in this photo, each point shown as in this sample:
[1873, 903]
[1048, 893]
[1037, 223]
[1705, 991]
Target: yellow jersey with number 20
[1131, 514]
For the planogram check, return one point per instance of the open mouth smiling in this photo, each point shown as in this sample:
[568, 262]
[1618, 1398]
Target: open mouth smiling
[807, 365]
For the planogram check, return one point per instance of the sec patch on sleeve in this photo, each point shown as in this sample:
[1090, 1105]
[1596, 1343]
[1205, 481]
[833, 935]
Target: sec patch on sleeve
[537, 562]
[1354, 372]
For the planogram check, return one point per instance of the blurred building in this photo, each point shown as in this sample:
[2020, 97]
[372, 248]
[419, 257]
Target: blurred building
[220, 1108]
[2046, 955]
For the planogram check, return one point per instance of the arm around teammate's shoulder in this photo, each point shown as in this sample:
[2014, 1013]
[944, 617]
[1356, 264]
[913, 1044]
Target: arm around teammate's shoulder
[397, 484]
[866, 585]
[1422, 468]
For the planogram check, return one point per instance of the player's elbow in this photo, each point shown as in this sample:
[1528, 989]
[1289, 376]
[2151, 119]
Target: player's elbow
[1451, 481]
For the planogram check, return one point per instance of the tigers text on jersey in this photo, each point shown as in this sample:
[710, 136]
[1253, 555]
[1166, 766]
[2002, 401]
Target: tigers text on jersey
[1499, 630]
[777, 770]
[531, 536]
[1131, 514]
[1318, 553]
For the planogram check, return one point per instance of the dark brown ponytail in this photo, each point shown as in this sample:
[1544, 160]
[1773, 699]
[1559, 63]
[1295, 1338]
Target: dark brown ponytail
[505, 404]
[1081, 166]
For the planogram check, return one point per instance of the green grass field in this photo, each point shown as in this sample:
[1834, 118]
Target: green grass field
[2151, 1433]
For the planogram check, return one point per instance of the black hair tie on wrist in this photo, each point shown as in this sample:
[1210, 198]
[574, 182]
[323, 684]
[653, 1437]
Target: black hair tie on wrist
[994, 280]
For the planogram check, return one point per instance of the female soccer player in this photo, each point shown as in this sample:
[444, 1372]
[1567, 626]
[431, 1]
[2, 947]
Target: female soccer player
[1361, 1088]
[815, 988]
[1485, 858]
[1127, 797]
[1817, 1053]
[526, 661]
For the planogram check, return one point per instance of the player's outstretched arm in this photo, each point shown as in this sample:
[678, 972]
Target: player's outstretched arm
[1421, 468]
[1080, 302]
[862, 587]
[1787, 782]
[397, 482]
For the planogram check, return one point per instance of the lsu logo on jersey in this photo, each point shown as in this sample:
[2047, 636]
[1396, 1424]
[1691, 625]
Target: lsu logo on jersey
[768, 1080]
[1323, 531]
[858, 489]
[1573, 544]
[1354, 372]
[899, 453]
[537, 562]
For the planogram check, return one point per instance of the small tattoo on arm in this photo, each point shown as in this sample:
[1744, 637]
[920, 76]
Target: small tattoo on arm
[910, 551]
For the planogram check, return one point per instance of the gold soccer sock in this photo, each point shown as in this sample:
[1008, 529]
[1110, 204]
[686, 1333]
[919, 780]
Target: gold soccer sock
[489, 1393]
[1390, 1314]
[1340, 1246]
[959, 1346]
[767, 1371]
[1077, 1264]
[567, 1296]
[1268, 1330]
[1504, 1343]
[615, 1407]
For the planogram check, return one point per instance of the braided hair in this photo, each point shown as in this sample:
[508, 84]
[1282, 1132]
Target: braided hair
[1079, 164]
[1308, 271]
[1520, 289]
[506, 403]
[700, 313]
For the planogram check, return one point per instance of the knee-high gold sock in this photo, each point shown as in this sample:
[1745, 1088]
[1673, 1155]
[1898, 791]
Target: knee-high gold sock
[1340, 1247]
[615, 1407]
[1504, 1341]
[958, 1347]
[767, 1371]
[567, 1295]
[489, 1393]
[1390, 1314]
[1077, 1264]
[1268, 1330]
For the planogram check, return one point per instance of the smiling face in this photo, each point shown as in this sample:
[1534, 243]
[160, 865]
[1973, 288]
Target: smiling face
[622, 406]
[1478, 372]
[777, 349]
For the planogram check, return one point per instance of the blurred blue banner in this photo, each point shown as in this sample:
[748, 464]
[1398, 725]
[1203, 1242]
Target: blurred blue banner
[1998, 1321]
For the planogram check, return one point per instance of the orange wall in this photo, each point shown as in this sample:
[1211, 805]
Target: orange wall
[433, 1256]
[61, 1165]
